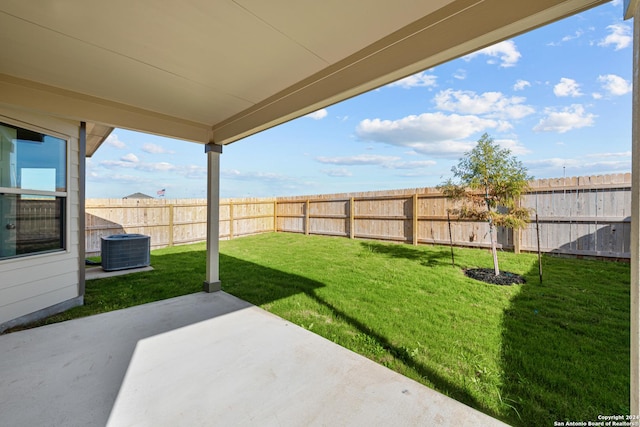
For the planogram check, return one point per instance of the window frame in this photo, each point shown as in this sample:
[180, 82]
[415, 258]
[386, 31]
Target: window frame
[65, 234]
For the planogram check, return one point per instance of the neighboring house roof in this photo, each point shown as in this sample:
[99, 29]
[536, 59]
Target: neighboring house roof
[220, 70]
[137, 196]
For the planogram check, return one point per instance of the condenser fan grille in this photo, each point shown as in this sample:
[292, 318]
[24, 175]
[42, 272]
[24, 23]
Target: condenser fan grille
[122, 251]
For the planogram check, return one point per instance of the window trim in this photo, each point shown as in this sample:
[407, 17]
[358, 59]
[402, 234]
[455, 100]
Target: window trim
[66, 195]
[17, 191]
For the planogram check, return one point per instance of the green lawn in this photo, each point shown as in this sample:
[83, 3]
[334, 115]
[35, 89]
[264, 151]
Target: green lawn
[527, 354]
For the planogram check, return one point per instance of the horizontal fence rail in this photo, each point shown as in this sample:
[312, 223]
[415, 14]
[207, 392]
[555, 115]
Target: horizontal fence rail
[583, 216]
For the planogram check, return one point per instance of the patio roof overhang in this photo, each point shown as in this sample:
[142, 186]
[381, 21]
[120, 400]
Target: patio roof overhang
[218, 71]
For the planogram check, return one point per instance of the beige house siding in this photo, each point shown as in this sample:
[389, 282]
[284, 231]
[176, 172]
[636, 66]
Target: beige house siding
[42, 283]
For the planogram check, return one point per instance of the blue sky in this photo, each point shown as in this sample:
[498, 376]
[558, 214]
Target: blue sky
[558, 97]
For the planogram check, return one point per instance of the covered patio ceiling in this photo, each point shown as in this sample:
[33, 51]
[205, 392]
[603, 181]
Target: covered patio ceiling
[220, 70]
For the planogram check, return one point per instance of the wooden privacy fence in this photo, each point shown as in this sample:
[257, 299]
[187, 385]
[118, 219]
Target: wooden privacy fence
[38, 223]
[579, 215]
[173, 222]
[409, 216]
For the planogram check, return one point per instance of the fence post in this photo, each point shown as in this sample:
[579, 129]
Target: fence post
[171, 225]
[415, 219]
[275, 216]
[306, 217]
[352, 220]
[230, 219]
[517, 233]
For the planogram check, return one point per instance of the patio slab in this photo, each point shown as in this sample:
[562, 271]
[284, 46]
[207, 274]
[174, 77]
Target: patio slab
[205, 359]
[92, 273]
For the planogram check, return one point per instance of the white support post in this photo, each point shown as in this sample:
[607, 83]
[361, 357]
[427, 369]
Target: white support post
[82, 197]
[212, 282]
[632, 10]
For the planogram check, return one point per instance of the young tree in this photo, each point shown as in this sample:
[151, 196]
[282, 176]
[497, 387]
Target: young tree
[489, 181]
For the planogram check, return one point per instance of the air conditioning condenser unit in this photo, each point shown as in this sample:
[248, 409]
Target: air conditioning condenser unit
[122, 251]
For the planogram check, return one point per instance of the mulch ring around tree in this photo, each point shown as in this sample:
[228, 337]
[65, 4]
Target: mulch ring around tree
[487, 275]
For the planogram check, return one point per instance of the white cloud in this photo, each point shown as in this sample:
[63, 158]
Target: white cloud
[156, 167]
[460, 74]
[419, 174]
[577, 166]
[551, 163]
[446, 148]
[504, 126]
[417, 80]
[115, 164]
[193, 171]
[260, 183]
[572, 117]
[113, 141]
[132, 162]
[514, 146]
[492, 104]
[155, 149]
[415, 164]
[604, 155]
[521, 84]
[506, 51]
[567, 87]
[130, 158]
[255, 176]
[318, 115]
[575, 35]
[360, 159]
[337, 173]
[389, 162]
[614, 84]
[118, 178]
[620, 37]
[435, 134]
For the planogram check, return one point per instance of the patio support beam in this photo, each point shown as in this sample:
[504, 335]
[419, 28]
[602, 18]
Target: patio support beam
[632, 10]
[58, 102]
[212, 282]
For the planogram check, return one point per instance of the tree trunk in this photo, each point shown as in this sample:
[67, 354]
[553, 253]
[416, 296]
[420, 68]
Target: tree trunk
[494, 249]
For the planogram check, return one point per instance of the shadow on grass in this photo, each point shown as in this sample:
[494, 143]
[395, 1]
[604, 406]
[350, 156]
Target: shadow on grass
[441, 384]
[432, 258]
[261, 285]
[565, 343]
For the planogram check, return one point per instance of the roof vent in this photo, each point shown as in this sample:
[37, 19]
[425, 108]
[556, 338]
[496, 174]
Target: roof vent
[122, 251]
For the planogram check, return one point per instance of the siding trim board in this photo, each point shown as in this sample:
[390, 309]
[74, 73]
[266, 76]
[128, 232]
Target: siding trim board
[43, 313]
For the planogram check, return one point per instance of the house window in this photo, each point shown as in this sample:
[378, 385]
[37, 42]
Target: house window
[33, 192]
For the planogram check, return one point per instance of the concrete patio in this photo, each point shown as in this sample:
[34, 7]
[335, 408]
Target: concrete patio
[205, 359]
